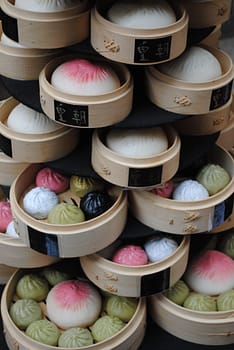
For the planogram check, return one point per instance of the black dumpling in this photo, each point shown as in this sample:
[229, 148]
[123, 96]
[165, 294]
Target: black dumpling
[95, 203]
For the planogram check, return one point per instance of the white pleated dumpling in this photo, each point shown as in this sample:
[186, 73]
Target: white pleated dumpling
[48, 5]
[195, 65]
[146, 14]
[26, 120]
[137, 143]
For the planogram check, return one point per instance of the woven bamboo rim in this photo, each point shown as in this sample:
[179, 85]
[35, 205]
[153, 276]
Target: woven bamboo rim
[129, 338]
[103, 110]
[47, 30]
[28, 147]
[207, 328]
[23, 63]
[189, 217]
[72, 240]
[16, 254]
[5, 273]
[213, 38]
[116, 168]
[9, 169]
[206, 124]
[226, 139]
[128, 280]
[203, 14]
[190, 98]
[118, 43]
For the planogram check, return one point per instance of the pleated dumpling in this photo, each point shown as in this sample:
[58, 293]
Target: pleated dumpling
[26, 120]
[84, 78]
[43, 331]
[195, 65]
[25, 311]
[200, 302]
[137, 143]
[48, 5]
[142, 14]
[73, 303]
[75, 337]
[211, 272]
[213, 177]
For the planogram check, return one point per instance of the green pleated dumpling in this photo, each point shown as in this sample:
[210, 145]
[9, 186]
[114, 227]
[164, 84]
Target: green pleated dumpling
[226, 244]
[43, 331]
[200, 302]
[178, 292]
[105, 327]
[213, 177]
[74, 338]
[122, 307]
[225, 301]
[32, 286]
[25, 311]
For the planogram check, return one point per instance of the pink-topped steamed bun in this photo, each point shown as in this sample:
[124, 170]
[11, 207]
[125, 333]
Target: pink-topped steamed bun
[211, 272]
[164, 190]
[84, 77]
[132, 255]
[52, 180]
[73, 303]
[5, 215]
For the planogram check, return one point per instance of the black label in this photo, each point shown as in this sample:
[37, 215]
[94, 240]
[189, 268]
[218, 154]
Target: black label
[9, 26]
[152, 50]
[155, 282]
[144, 177]
[5, 145]
[222, 211]
[221, 96]
[71, 114]
[43, 242]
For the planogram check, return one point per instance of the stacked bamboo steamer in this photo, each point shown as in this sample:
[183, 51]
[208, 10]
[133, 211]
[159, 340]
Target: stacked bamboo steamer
[22, 58]
[96, 264]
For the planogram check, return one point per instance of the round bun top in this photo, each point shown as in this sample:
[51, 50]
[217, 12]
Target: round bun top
[85, 78]
[137, 143]
[146, 14]
[49, 5]
[28, 121]
[195, 65]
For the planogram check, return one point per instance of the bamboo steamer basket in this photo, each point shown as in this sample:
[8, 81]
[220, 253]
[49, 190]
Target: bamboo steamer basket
[203, 14]
[135, 172]
[206, 328]
[9, 169]
[33, 148]
[86, 111]
[72, 240]
[45, 30]
[5, 273]
[135, 281]
[191, 98]
[129, 338]
[15, 253]
[187, 217]
[206, 124]
[226, 137]
[23, 63]
[127, 45]
[214, 37]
